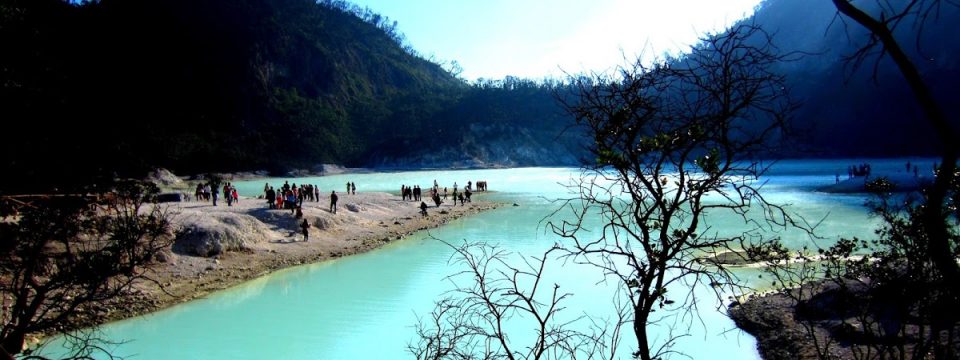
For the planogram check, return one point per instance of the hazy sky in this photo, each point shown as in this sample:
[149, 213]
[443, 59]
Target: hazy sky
[536, 38]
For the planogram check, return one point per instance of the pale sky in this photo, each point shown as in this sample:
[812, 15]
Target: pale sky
[537, 38]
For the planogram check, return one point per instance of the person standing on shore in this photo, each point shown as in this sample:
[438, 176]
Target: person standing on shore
[301, 195]
[306, 229]
[353, 188]
[316, 192]
[292, 200]
[214, 194]
[333, 202]
[227, 195]
[271, 197]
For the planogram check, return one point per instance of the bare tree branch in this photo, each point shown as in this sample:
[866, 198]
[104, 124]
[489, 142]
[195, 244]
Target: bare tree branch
[675, 143]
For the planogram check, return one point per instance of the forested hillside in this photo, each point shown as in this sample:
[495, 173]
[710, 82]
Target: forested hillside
[115, 87]
[124, 85]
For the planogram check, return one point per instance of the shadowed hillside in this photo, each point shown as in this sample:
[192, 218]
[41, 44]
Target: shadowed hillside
[870, 111]
[116, 87]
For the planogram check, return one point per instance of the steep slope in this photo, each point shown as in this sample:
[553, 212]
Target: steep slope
[117, 86]
[114, 87]
[866, 110]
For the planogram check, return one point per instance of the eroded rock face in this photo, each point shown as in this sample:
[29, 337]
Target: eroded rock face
[195, 240]
[492, 146]
[214, 234]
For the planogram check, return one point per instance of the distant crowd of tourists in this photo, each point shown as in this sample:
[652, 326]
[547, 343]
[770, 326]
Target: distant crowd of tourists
[864, 170]
[437, 195]
[916, 169]
[292, 196]
[211, 192]
[858, 170]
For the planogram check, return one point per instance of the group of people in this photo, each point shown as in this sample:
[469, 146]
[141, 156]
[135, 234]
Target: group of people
[415, 193]
[411, 193]
[863, 170]
[211, 192]
[858, 170]
[916, 169]
[290, 197]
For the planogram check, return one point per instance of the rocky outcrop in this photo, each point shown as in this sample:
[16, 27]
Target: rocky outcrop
[163, 177]
[215, 233]
[827, 321]
[771, 320]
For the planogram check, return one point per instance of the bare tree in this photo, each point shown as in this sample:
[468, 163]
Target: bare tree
[883, 42]
[71, 252]
[491, 316]
[907, 279]
[676, 144]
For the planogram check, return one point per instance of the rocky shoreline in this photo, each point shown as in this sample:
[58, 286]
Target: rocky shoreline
[828, 320]
[772, 320]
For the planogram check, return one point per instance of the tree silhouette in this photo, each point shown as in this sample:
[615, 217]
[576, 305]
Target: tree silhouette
[675, 144]
[481, 319]
[70, 252]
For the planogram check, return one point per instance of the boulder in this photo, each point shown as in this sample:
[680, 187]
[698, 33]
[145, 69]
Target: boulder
[163, 177]
[214, 234]
[170, 197]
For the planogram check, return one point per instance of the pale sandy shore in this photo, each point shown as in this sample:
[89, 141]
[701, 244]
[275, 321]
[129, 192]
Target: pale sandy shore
[270, 240]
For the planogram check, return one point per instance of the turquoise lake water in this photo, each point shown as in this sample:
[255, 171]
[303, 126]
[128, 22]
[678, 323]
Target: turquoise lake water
[365, 306]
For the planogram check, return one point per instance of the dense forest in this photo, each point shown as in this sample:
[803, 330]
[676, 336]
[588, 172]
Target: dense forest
[115, 87]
